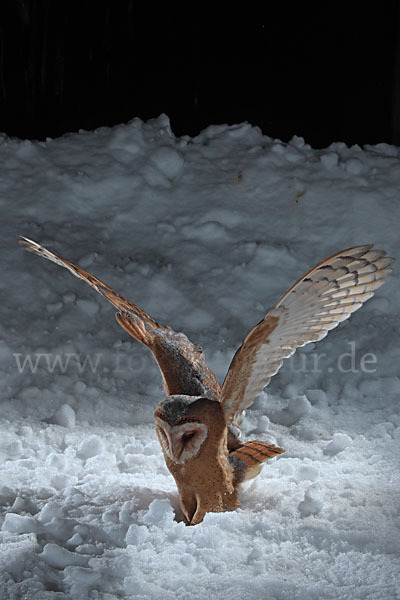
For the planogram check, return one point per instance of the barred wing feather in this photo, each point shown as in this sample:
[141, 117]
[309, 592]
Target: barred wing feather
[320, 300]
[181, 363]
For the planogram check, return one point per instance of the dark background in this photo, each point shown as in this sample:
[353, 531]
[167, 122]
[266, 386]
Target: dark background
[327, 71]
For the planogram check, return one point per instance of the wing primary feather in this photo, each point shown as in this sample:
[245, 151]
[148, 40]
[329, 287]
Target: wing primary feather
[181, 362]
[321, 299]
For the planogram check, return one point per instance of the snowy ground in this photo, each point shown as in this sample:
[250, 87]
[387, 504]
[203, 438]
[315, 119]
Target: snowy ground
[204, 234]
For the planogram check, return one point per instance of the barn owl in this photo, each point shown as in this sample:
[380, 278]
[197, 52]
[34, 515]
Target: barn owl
[196, 423]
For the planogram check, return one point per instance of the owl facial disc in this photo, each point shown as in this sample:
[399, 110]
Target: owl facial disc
[181, 442]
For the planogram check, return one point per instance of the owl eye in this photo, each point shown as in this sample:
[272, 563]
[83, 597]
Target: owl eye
[188, 436]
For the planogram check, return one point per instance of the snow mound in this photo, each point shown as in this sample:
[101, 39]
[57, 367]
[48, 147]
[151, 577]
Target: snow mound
[312, 503]
[204, 234]
[60, 558]
[339, 443]
[64, 416]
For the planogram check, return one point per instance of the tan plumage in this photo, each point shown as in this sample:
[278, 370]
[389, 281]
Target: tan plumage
[193, 423]
[181, 362]
[324, 297]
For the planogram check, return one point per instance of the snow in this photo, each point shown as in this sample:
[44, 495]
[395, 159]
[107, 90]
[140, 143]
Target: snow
[65, 415]
[339, 442]
[205, 234]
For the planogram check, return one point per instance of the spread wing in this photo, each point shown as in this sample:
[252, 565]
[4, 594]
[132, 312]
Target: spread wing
[181, 363]
[315, 304]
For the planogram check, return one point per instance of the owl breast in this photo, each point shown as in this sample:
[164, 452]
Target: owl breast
[181, 442]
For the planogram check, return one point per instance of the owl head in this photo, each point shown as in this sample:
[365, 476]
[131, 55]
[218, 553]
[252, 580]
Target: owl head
[186, 425]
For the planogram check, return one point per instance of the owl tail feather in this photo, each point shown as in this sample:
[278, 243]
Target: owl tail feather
[248, 459]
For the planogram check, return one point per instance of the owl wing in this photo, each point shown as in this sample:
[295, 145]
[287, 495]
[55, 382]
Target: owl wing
[182, 364]
[248, 458]
[316, 303]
